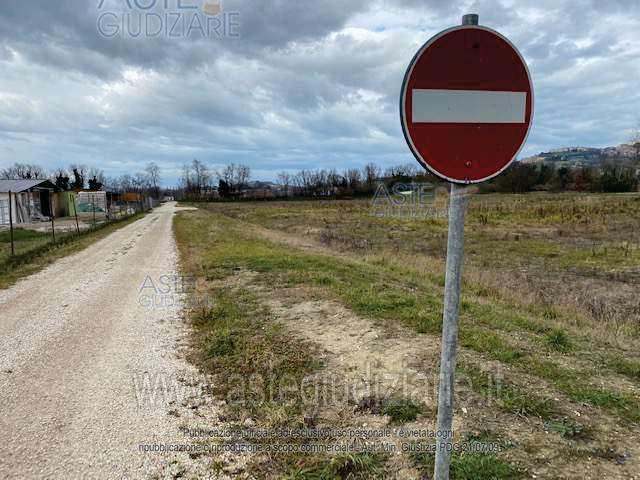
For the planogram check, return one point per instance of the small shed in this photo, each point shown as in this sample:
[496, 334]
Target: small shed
[31, 200]
[66, 204]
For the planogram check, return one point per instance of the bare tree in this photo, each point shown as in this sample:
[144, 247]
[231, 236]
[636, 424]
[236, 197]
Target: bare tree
[407, 171]
[301, 181]
[186, 181]
[635, 142]
[23, 171]
[241, 176]
[353, 179]
[112, 184]
[201, 175]
[371, 173]
[153, 173]
[284, 180]
[334, 179]
[236, 177]
[126, 183]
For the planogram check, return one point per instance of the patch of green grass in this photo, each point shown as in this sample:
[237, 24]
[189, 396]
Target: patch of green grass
[484, 341]
[569, 429]
[469, 466]
[347, 466]
[22, 234]
[558, 340]
[508, 397]
[625, 404]
[628, 368]
[514, 400]
[576, 386]
[237, 338]
[401, 409]
[222, 345]
[495, 315]
[550, 313]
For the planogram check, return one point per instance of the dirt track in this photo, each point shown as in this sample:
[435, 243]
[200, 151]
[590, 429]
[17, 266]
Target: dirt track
[76, 342]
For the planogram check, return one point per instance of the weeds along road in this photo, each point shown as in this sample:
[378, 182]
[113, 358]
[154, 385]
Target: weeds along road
[73, 338]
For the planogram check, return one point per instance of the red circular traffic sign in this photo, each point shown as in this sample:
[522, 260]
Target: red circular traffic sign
[466, 104]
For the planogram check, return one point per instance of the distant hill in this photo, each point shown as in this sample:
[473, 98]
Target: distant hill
[586, 156]
[260, 185]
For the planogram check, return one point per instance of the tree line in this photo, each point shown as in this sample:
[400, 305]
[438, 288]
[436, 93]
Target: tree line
[522, 178]
[80, 177]
[200, 183]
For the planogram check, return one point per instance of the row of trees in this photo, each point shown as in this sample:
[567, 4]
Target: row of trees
[353, 181]
[520, 178]
[80, 177]
[147, 181]
[199, 181]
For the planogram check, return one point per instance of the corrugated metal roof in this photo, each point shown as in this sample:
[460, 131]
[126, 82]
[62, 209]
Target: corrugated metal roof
[21, 185]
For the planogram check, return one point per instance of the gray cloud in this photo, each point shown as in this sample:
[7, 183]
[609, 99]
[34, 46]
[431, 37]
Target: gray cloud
[305, 84]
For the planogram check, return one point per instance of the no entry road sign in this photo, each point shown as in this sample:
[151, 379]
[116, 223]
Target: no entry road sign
[466, 108]
[466, 104]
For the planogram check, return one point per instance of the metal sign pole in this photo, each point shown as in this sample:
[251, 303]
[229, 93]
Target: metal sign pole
[455, 253]
[455, 248]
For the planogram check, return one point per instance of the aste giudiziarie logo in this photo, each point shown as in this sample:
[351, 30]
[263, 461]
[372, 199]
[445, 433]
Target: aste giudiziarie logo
[413, 200]
[166, 18]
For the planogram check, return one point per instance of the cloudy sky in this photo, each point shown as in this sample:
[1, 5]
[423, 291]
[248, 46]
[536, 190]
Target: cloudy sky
[283, 84]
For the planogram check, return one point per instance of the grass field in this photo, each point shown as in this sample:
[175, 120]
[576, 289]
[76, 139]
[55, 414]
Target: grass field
[347, 295]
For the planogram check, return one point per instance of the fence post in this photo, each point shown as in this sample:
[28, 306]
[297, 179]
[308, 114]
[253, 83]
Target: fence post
[93, 203]
[75, 211]
[53, 225]
[13, 251]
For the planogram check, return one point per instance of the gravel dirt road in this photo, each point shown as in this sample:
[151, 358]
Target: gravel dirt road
[77, 341]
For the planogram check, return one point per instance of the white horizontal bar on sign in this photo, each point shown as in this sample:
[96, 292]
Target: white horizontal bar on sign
[468, 106]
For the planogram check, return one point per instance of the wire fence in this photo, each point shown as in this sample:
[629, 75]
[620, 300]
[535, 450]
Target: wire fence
[26, 238]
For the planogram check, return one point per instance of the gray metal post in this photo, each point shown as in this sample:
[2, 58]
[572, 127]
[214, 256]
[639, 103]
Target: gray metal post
[455, 248]
[75, 212]
[13, 249]
[93, 202]
[53, 223]
[470, 19]
[455, 251]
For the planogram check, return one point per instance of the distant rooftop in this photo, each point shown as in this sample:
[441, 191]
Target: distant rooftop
[22, 185]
